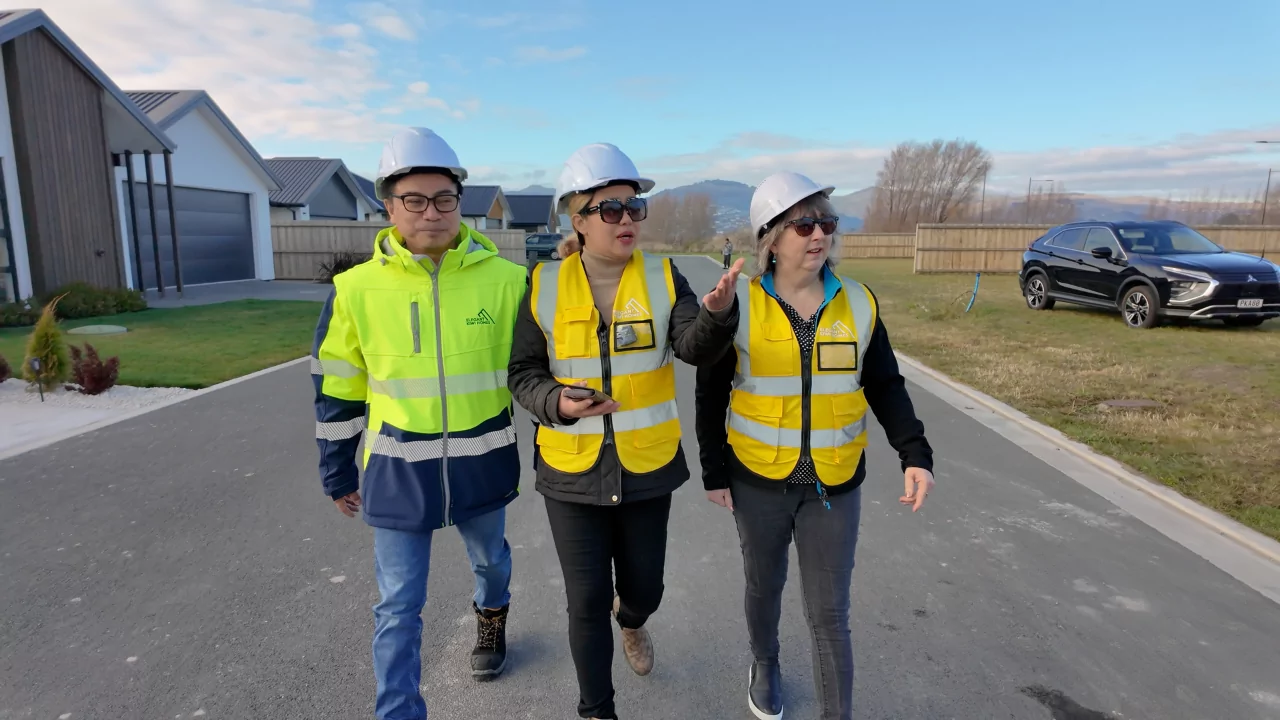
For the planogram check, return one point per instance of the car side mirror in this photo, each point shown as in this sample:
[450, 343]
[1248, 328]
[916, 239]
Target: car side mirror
[1102, 253]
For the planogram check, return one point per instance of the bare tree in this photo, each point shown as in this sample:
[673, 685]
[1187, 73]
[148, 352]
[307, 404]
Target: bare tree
[1203, 208]
[684, 223]
[926, 183]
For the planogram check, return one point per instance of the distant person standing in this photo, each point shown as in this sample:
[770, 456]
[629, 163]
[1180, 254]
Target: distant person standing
[728, 252]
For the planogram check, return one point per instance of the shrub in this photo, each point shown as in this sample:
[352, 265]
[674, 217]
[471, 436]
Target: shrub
[92, 374]
[6, 372]
[18, 314]
[82, 300]
[340, 262]
[49, 347]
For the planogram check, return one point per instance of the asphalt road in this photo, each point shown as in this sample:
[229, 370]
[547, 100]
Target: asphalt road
[185, 564]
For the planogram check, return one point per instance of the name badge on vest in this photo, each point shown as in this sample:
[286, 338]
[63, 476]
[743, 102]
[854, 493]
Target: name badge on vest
[635, 335]
[837, 356]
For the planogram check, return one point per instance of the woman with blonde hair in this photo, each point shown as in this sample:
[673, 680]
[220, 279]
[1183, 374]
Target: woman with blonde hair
[592, 361]
[811, 356]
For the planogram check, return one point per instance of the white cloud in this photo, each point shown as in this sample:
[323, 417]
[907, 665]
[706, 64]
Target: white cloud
[272, 67]
[1226, 161]
[419, 88]
[544, 54]
[388, 20]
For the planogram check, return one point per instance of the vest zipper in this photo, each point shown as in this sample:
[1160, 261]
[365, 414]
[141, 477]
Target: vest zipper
[444, 400]
[606, 382]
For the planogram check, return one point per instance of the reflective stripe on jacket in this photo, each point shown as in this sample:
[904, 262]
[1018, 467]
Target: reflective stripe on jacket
[422, 351]
[629, 359]
[779, 409]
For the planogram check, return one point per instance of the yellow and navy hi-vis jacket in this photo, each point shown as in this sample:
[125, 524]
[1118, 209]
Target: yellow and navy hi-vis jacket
[780, 409]
[414, 356]
[630, 361]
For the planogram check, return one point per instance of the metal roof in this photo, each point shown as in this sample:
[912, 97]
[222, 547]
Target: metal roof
[477, 199]
[166, 107]
[370, 193]
[530, 209]
[301, 177]
[20, 22]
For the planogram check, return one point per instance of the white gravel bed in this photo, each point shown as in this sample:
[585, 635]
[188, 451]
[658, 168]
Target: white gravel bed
[121, 397]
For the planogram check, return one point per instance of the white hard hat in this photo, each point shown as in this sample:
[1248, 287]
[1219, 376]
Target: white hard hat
[415, 147]
[778, 193]
[595, 166]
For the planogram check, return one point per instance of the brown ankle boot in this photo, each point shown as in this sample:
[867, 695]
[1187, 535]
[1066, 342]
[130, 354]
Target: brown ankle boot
[636, 645]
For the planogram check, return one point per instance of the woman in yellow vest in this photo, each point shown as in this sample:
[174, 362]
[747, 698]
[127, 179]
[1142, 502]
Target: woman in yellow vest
[809, 359]
[592, 361]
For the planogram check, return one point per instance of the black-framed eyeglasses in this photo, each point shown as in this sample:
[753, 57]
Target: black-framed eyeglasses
[804, 226]
[416, 203]
[611, 210]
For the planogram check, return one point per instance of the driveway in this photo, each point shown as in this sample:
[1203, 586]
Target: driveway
[185, 564]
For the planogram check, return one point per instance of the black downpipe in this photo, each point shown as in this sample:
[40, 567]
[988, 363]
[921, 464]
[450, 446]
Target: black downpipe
[173, 219]
[151, 209]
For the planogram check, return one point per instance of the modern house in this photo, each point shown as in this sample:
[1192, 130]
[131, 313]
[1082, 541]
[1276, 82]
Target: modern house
[65, 128]
[532, 213]
[485, 207]
[221, 191]
[371, 196]
[314, 188]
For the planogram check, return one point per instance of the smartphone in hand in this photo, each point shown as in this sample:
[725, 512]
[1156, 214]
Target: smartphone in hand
[582, 393]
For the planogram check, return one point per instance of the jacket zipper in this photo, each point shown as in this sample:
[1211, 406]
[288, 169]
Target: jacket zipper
[444, 400]
[416, 325]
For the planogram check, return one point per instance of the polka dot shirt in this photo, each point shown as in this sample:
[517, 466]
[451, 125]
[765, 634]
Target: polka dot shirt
[806, 331]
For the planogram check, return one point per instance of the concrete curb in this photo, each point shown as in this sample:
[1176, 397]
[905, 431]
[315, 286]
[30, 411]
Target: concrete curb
[45, 442]
[1218, 523]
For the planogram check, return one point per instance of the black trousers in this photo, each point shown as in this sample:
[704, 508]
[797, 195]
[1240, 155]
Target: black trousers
[594, 542]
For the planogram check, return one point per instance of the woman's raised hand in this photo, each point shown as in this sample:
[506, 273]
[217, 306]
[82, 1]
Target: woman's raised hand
[721, 297]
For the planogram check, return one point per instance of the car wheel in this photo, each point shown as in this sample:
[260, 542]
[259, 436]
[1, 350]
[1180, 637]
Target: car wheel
[1139, 307]
[555, 255]
[1037, 292]
[1243, 321]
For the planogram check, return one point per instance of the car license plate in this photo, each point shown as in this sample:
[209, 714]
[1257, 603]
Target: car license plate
[1250, 303]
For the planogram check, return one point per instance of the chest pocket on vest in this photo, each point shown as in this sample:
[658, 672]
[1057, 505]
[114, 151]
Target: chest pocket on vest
[778, 354]
[633, 335]
[575, 332]
[398, 328]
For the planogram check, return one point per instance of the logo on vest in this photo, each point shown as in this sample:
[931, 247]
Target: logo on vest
[837, 330]
[631, 311]
[481, 318]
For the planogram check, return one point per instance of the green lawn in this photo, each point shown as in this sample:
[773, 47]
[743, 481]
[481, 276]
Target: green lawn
[193, 347]
[1216, 438]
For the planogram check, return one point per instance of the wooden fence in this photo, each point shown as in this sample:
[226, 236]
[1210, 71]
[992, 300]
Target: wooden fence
[300, 246]
[877, 245]
[999, 248]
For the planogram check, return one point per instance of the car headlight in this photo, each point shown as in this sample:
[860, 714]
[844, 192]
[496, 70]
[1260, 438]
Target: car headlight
[1189, 285]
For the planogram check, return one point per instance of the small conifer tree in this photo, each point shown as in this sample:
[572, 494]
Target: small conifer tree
[49, 347]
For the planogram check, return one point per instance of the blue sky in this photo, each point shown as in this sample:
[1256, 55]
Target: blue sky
[1124, 96]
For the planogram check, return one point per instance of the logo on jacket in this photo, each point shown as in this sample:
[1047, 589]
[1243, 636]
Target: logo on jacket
[838, 330]
[481, 318]
[632, 310]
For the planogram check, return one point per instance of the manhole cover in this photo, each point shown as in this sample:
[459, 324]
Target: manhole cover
[98, 330]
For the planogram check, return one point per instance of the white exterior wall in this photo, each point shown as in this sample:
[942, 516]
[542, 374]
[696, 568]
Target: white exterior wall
[9, 168]
[208, 157]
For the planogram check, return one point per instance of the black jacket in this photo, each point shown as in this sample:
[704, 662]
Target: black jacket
[697, 336]
[886, 393]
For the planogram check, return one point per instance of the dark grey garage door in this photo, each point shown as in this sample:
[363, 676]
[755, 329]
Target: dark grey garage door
[214, 235]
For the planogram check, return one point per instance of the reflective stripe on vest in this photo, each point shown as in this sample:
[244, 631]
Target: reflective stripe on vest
[646, 428]
[767, 404]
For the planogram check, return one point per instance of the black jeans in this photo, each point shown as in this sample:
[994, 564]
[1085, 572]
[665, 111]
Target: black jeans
[825, 543]
[594, 541]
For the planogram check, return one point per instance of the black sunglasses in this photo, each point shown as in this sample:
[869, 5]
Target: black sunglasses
[415, 203]
[611, 210]
[804, 226]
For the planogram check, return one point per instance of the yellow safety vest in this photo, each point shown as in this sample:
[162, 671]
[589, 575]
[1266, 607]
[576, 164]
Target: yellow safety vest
[631, 362]
[777, 408]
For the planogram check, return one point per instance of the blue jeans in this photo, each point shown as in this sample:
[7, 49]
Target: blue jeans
[401, 561]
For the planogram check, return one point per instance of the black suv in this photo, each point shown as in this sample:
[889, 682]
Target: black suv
[541, 246]
[1148, 271]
